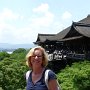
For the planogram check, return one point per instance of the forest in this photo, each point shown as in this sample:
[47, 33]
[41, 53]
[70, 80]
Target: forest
[13, 68]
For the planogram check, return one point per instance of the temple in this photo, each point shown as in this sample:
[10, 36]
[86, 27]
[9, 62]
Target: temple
[71, 43]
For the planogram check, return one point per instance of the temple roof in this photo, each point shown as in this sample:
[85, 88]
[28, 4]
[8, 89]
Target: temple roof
[76, 30]
[85, 20]
[43, 37]
[81, 28]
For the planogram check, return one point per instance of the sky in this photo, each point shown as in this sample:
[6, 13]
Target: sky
[22, 20]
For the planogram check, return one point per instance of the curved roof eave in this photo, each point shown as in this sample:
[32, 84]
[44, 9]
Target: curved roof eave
[71, 38]
[60, 35]
[44, 37]
[83, 29]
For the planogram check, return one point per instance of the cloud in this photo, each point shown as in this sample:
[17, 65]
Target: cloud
[16, 28]
[66, 15]
[7, 25]
[42, 8]
[45, 19]
[7, 14]
[7, 18]
[24, 35]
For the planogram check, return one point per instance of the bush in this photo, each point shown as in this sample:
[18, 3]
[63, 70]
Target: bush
[76, 77]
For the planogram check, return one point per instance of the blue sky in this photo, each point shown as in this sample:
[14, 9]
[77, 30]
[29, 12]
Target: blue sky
[22, 20]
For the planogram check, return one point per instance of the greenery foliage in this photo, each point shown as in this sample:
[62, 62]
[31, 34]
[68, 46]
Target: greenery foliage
[76, 77]
[13, 68]
[12, 71]
[3, 55]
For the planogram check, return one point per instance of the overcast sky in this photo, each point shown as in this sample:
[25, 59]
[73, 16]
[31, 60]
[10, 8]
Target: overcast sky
[22, 20]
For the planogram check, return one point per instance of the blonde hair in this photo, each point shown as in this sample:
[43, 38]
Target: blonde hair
[30, 53]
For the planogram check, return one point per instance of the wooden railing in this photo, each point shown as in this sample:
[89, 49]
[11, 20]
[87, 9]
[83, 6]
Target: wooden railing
[56, 57]
[76, 56]
[69, 56]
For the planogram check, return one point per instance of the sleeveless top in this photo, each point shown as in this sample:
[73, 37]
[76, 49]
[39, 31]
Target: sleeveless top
[40, 84]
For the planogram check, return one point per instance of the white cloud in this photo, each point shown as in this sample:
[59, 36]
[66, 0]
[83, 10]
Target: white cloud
[16, 35]
[66, 15]
[7, 28]
[7, 14]
[45, 19]
[41, 8]
[21, 17]
[42, 22]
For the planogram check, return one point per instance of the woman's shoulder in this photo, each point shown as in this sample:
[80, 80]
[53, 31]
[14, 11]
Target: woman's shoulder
[27, 74]
[51, 74]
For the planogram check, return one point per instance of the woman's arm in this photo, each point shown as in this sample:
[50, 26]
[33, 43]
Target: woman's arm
[52, 84]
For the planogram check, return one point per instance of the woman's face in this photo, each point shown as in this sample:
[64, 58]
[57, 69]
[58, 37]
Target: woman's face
[36, 59]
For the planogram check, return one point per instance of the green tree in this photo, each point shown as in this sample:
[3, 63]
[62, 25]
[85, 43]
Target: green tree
[3, 55]
[76, 77]
[12, 71]
[18, 54]
[19, 50]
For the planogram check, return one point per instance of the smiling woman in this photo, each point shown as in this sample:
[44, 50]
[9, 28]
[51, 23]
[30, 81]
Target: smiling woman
[37, 60]
[36, 54]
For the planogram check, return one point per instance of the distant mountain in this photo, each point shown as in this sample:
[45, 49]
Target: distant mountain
[15, 46]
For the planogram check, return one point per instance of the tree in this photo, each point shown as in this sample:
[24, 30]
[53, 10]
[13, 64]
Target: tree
[3, 55]
[12, 71]
[19, 50]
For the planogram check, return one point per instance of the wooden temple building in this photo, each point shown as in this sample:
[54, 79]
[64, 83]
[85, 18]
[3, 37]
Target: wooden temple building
[71, 43]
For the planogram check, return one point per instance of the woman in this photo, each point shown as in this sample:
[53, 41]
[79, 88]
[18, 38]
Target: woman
[37, 60]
